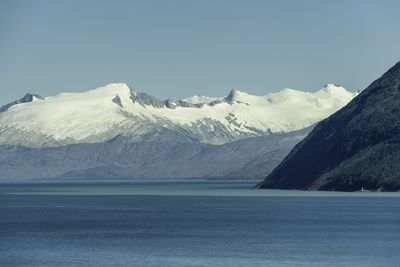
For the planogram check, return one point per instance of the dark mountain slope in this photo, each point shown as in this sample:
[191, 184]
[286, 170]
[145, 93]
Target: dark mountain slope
[358, 146]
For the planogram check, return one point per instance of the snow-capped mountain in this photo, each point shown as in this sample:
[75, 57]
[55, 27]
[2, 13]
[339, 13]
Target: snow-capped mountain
[115, 110]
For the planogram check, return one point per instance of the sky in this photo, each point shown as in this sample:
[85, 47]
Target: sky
[178, 48]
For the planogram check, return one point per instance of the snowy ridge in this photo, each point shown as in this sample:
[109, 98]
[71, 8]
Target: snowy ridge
[114, 110]
[199, 99]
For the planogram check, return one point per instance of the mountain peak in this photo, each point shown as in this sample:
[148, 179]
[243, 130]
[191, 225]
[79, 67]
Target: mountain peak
[27, 98]
[332, 85]
[200, 100]
[236, 95]
[113, 88]
[117, 85]
[332, 88]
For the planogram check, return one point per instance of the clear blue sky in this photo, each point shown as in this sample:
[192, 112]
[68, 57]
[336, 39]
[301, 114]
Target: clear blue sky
[180, 48]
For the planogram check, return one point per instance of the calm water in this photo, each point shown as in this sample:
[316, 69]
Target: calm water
[194, 224]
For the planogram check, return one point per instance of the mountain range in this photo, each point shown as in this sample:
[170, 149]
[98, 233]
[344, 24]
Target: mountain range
[117, 132]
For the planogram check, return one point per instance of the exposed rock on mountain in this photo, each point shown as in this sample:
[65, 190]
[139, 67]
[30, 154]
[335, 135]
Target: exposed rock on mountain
[26, 99]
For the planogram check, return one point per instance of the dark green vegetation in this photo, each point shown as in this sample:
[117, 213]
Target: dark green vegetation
[358, 146]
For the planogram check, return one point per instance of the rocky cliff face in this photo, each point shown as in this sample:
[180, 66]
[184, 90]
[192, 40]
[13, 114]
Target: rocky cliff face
[356, 147]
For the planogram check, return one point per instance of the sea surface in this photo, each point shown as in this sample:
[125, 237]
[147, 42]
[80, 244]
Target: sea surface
[194, 223]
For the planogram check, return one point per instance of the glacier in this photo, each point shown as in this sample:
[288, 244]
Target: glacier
[117, 110]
